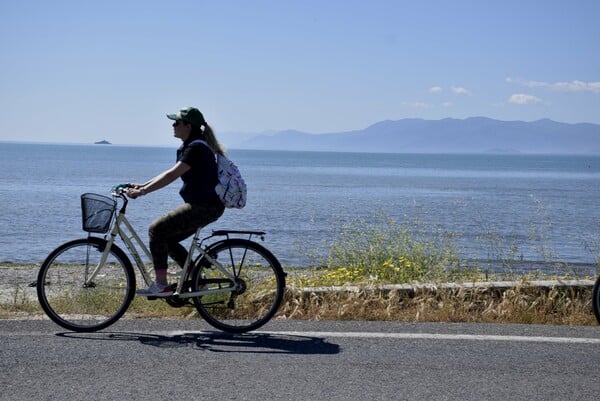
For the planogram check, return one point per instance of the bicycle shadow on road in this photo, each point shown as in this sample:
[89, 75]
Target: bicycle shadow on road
[259, 343]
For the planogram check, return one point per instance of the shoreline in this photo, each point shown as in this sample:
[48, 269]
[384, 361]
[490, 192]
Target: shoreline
[18, 280]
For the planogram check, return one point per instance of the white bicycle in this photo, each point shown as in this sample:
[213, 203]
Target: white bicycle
[85, 285]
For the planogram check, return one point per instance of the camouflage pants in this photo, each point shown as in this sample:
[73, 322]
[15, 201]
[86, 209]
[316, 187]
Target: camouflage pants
[167, 231]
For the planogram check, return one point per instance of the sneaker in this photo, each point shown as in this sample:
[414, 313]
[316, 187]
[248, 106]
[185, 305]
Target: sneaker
[156, 290]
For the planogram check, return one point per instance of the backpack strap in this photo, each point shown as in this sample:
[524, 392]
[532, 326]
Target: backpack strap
[202, 141]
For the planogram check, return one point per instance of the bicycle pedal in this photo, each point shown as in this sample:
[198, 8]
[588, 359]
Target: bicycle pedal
[152, 298]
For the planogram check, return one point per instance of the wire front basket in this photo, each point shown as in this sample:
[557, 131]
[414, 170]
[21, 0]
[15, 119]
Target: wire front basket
[97, 212]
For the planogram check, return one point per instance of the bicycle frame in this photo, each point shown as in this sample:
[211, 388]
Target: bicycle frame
[124, 230]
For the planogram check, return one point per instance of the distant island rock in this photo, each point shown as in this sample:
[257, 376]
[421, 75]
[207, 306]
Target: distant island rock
[102, 142]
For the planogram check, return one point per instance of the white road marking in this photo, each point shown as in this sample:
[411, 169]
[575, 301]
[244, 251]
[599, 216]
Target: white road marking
[341, 334]
[431, 336]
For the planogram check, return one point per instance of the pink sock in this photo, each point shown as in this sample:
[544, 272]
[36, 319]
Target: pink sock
[161, 276]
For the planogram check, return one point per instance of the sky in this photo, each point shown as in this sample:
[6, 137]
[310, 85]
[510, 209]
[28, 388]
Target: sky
[81, 71]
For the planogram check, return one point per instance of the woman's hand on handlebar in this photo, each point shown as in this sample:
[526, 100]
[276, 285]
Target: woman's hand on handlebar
[135, 191]
[130, 190]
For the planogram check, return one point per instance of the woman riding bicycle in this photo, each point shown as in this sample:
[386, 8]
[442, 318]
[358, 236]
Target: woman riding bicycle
[196, 165]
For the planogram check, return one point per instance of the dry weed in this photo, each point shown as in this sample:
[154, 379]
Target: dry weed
[563, 306]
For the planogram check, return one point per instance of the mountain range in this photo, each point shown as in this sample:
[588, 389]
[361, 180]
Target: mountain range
[470, 135]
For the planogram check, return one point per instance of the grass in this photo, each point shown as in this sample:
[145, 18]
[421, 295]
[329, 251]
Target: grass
[367, 256]
[522, 304]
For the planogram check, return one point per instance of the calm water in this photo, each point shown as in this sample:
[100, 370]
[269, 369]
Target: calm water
[540, 208]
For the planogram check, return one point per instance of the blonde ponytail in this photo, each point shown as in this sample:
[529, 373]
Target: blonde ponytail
[211, 139]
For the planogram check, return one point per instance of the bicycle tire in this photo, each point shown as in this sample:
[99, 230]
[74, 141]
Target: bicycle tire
[261, 286]
[70, 300]
[596, 299]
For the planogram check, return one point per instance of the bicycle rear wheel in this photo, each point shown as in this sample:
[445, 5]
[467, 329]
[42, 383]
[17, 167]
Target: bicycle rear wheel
[596, 299]
[251, 299]
[72, 299]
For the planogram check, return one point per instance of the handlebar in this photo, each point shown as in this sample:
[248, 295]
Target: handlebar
[120, 189]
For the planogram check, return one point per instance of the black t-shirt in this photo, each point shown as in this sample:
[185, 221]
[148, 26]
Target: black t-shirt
[199, 182]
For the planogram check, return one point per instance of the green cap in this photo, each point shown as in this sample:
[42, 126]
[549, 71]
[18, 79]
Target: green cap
[190, 115]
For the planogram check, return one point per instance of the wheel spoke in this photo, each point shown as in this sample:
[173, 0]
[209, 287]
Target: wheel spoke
[596, 299]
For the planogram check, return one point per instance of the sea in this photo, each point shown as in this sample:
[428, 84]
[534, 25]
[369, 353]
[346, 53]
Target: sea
[539, 211]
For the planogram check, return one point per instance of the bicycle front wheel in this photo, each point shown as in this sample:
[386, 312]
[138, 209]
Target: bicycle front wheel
[248, 285]
[596, 299]
[78, 296]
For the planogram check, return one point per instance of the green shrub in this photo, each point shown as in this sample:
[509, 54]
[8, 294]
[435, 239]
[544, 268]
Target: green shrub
[390, 252]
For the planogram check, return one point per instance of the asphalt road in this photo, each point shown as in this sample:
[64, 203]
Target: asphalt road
[188, 360]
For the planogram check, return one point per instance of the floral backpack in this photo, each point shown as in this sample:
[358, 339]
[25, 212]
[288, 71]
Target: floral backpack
[231, 187]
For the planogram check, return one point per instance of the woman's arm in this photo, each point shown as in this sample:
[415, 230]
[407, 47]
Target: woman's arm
[160, 181]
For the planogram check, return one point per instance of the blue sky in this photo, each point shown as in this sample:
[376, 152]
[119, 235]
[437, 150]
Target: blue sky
[80, 71]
